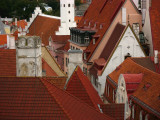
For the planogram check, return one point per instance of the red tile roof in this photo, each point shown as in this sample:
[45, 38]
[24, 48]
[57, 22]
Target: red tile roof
[67, 47]
[80, 86]
[146, 92]
[7, 62]
[3, 40]
[21, 23]
[100, 17]
[114, 110]
[155, 24]
[44, 27]
[132, 82]
[48, 69]
[60, 38]
[109, 48]
[36, 98]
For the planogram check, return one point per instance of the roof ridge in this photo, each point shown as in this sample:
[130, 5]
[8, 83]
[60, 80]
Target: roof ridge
[76, 98]
[142, 66]
[85, 84]
[47, 82]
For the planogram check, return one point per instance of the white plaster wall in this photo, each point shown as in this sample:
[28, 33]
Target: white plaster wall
[147, 30]
[121, 92]
[128, 44]
[67, 17]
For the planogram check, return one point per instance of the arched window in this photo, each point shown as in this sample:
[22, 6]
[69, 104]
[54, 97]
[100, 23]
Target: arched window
[146, 117]
[141, 115]
[133, 112]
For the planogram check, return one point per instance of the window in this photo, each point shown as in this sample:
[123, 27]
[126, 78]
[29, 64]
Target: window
[69, 5]
[85, 56]
[66, 62]
[132, 112]
[64, 5]
[108, 90]
[146, 117]
[113, 95]
[128, 55]
[140, 115]
[94, 41]
[86, 39]
[95, 81]
[69, 12]
[69, 20]
[71, 47]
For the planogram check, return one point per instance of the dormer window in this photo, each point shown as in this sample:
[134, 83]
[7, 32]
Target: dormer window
[101, 26]
[85, 56]
[94, 41]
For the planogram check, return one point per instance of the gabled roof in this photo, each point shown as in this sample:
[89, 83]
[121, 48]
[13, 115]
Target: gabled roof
[132, 82]
[80, 86]
[110, 48]
[129, 66]
[114, 110]
[49, 59]
[44, 27]
[148, 94]
[36, 98]
[101, 17]
[7, 62]
[60, 38]
[49, 71]
[3, 41]
[21, 24]
[155, 23]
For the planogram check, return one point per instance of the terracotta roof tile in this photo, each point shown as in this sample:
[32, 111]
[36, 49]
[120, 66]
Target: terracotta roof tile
[3, 40]
[21, 23]
[155, 24]
[7, 62]
[80, 86]
[44, 27]
[114, 110]
[101, 16]
[48, 69]
[35, 98]
[60, 38]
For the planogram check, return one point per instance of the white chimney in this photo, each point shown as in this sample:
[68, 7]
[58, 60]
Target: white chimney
[15, 21]
[124, 16]
[155, 56]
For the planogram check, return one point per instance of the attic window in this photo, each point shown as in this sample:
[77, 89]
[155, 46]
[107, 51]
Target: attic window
[101, 26]
[128, 55]
[94, 41]
[147, 86]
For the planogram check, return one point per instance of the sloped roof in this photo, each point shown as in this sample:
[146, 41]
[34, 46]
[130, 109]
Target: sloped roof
[7, 62]
[3, 40]
[21, 23]
[36, 98]
[49, 59]
[132, 82]
[44, 27]
[60, 38]
[155, 23]
[148, 93]
[49, 71]
[114, 110]
[67, 47]
[110, 46]
[104, 13]
[80, 86]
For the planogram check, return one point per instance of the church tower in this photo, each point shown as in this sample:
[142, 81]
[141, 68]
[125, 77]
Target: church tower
[67, 8]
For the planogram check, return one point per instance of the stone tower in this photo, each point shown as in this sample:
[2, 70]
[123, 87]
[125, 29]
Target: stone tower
[67, 8]
[29, 61]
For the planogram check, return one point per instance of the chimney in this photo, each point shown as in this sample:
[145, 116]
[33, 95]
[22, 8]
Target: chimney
[15, 21]
[75, 58]
[155, 56]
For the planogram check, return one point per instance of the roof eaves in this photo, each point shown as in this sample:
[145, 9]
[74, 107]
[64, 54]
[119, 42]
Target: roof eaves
[157, 113]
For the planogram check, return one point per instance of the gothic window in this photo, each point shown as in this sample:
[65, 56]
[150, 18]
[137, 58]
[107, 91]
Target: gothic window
[128, 55]
[140, 115]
